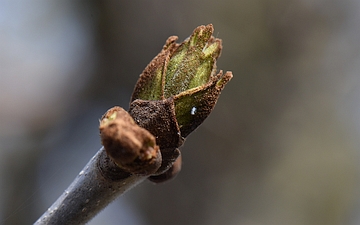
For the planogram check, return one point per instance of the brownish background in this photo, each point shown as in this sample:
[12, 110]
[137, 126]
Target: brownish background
[281, 147]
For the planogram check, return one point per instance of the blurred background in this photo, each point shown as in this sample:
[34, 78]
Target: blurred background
[281, 147]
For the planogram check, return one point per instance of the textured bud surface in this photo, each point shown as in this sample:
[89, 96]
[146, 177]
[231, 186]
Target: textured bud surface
[186, 73]
[177, 91]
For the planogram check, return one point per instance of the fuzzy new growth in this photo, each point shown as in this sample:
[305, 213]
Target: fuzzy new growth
[173, 96]
[178, 90]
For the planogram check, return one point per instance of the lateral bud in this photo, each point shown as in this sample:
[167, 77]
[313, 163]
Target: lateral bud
[128, 145]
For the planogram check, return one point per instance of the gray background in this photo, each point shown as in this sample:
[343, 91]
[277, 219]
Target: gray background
[281, 146]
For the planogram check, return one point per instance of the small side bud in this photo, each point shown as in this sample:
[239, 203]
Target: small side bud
[168, 174]
[131, 147]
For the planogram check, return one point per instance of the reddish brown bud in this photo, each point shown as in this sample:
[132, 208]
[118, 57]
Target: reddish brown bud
[131, 147]
[168, 174]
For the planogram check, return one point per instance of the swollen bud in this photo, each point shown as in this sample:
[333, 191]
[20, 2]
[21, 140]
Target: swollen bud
[178, 90]
[185, 74]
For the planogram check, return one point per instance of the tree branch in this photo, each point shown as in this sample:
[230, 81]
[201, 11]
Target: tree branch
[98, 184]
